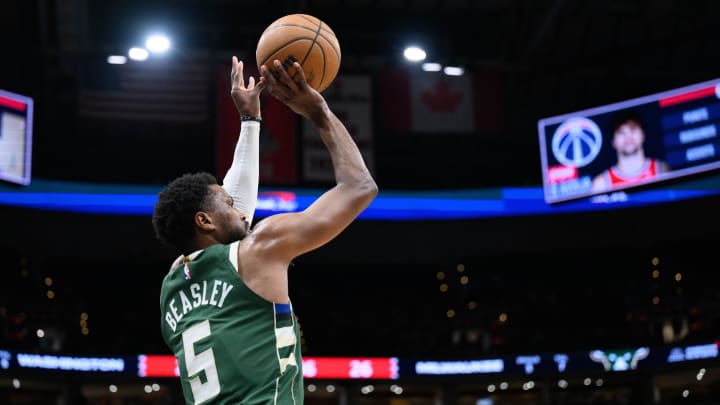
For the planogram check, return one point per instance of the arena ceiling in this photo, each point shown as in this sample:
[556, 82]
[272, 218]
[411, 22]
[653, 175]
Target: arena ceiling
[511, 34]
[554, 56]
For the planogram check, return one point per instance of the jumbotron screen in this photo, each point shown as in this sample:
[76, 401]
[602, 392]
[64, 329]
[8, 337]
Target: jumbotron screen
[16, 112]
[633, 143]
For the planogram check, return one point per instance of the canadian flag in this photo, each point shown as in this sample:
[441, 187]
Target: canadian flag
[432, 102]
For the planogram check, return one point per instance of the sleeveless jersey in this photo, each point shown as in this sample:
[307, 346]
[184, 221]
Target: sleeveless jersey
[231, 345]
[649, 170]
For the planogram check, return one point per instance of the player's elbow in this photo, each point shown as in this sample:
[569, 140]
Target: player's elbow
[370, 188]
[364, 191]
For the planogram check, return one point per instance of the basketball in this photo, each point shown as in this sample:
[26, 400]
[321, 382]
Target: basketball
[305, 39]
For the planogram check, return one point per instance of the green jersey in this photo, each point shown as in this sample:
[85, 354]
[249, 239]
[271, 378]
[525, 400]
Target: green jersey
[232, 346]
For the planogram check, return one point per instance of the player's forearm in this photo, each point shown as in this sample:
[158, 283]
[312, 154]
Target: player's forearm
[349, 165]
[241, 180]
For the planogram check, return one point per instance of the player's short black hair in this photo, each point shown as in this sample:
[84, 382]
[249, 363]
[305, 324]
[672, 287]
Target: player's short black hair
[625, 116]
[176, 205]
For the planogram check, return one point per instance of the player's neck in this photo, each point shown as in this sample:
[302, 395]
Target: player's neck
[631, 164]
[201, 242]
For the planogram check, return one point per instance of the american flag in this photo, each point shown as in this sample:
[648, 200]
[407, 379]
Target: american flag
[171, 90]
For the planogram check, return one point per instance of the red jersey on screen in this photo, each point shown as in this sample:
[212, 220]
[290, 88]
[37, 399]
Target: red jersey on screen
[649, 170]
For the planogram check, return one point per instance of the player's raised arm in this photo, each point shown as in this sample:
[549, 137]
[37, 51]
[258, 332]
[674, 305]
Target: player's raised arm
[355, 188]
[241, 180]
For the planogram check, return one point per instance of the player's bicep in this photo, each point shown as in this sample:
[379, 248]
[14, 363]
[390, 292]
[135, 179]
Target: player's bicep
[322, 221]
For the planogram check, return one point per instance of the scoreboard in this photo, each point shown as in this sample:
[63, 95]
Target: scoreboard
[680, 127]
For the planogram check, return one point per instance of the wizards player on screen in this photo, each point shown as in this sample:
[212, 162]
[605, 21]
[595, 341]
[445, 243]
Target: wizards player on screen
[632, 164]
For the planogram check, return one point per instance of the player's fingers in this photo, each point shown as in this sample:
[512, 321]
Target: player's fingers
[234, 67]
[266, 74]
[269, 78]
[277, 79]
[261, 83]
[239, 79]
[285, 76]
[236, 75]
[299, 76]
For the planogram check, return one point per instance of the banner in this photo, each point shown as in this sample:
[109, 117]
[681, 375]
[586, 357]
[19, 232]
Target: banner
[350, 97]
[160, 91]
[414, 101]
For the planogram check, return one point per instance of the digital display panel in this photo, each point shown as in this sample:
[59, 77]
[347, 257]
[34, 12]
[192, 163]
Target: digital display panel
[16, 114]
[391, 368]
[631, 143]
[313, 367]
[553, 364]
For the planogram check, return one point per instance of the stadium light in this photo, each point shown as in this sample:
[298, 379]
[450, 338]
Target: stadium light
[116, 59]
[453, 70]
[138, 54]
[157, 43]
[414, 54]
[431, 67]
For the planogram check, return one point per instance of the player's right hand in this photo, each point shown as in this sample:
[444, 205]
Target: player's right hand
[294, 91]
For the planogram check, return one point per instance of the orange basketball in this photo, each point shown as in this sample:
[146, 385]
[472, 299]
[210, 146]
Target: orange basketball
[305, 39]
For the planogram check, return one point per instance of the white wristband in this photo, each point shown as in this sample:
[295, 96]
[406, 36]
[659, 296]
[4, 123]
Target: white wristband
[241, 180]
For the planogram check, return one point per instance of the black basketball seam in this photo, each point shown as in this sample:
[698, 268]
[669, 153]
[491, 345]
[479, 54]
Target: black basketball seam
[322, 31]
[322, 51]
[325, 37]
[274, 51]
[326, 28]
[306, 18]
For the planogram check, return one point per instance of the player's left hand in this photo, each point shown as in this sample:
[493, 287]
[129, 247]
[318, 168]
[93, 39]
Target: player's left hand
[245, 97]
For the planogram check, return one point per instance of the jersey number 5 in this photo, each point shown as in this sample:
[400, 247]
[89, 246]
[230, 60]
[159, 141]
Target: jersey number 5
[197, 362]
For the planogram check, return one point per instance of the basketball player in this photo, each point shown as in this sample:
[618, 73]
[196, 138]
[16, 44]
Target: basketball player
[632, 165]
[225, 307]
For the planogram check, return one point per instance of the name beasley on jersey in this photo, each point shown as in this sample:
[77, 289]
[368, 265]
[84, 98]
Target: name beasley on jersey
[201, 294]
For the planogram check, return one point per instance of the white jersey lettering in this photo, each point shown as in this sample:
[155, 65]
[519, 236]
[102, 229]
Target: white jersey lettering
[217, 295]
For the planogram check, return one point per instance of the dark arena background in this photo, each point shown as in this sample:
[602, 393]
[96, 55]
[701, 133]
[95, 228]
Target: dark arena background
[461, 284]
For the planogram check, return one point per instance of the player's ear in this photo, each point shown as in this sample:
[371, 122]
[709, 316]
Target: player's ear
[203, 220]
